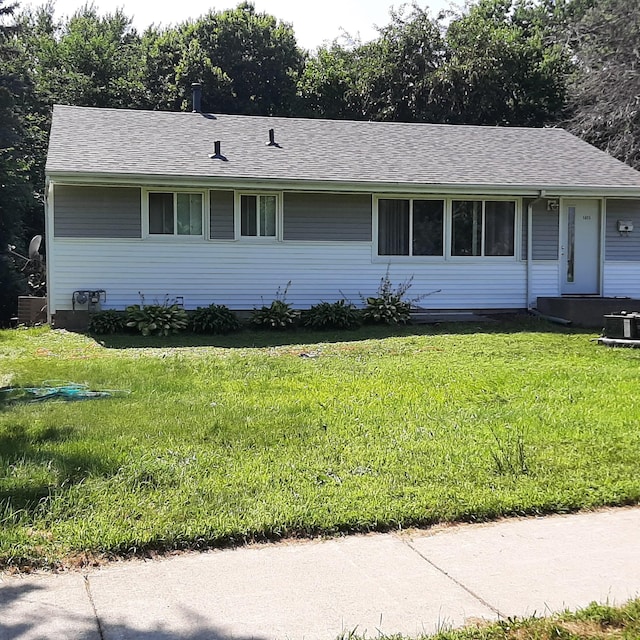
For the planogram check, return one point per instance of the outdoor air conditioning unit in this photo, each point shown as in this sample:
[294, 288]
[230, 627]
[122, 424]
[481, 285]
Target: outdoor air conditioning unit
[31, 310]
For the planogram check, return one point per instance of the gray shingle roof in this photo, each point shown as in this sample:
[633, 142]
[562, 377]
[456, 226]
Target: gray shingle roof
[126, 142]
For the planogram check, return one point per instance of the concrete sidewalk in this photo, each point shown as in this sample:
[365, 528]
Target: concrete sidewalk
[412, 582]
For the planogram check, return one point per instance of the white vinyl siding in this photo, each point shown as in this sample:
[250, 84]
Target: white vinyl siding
[621, 279]
[244, 275]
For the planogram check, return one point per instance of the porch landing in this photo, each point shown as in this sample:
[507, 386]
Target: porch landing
[586, 311]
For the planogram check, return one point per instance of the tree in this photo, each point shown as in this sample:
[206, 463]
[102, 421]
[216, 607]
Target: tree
[90, 60]
[14, 185]
[401, 67]
[502, 67]
[247, 62]
[329, 87]
[605, 90]
[390, 78]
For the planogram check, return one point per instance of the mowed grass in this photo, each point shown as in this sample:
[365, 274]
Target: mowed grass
[595, 622]
[307, 434]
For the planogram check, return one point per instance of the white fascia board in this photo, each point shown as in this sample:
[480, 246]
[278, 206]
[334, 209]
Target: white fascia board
[209, 182]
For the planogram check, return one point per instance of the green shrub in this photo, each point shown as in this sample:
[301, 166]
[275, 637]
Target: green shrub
[332, 315]
[156, 319]
[387, 310]
[389, 305]
[216, 318]
[106, 322]
[278, 315]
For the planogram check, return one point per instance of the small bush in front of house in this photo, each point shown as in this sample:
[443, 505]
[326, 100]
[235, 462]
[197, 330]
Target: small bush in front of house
[157, 319]
[216, 318]
[278, 315]
[107, 322]
[332, 315]
[389, 305]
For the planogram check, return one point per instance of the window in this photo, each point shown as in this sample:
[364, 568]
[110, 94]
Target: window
[175, 214]
[410, 227]
[482, 228]
[258, 215]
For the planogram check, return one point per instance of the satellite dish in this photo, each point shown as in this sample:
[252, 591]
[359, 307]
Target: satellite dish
[34, 247]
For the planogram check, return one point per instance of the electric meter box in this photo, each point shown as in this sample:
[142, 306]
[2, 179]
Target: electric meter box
[622, 325]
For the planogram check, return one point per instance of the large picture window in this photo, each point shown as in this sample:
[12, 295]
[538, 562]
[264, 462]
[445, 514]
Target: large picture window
[258, 215]
[482, 228]
[175, 213]
[410, 227]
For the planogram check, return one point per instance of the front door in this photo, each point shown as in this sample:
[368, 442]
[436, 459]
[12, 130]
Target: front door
[580, 268]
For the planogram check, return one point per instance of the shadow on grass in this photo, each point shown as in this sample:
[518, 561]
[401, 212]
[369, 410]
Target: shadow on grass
[256, 339]
[20, 448]
[77, 618]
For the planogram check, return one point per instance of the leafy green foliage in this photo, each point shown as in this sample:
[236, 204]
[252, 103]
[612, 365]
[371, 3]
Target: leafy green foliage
[216, 318]
[277, 315]
[502, 68]
[16, 195]
[107, 322]
[156, 319]
[332, 315]
[247, 62]
[389, 305]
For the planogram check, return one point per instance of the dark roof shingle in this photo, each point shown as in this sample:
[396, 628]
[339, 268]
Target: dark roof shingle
[127, 142]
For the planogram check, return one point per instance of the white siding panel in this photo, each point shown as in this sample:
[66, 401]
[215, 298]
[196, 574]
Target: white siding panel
[244, 275]
[621, 279]
[544, 279]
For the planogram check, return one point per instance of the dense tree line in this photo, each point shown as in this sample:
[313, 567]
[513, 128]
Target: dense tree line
[572, 63]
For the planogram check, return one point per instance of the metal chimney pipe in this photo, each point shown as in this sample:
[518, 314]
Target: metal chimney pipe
[272, 137]
[196, 97]
[216, 148]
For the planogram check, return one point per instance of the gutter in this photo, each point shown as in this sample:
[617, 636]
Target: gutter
[333, 185]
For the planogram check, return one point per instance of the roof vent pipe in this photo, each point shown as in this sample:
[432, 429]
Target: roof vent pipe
[272, 139]
[196, 97]
[217, 152]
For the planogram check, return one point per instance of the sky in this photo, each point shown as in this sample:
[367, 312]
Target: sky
[313, 22]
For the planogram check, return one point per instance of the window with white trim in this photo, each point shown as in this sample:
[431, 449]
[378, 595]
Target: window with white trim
[258, 215]
[175, 213]
[483, 227]
[410, 227]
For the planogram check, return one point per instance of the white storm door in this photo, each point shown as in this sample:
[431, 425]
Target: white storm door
[580, 268]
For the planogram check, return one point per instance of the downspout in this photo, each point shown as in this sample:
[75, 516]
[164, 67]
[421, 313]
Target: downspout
[48, 231]
[541, 196]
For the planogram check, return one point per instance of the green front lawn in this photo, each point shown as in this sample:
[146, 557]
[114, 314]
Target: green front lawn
[307, 434]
